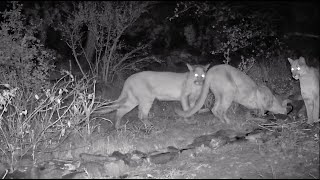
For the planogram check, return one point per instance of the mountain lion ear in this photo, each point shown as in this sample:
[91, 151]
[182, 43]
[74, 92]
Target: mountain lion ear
[302, 60]
[189, 67]
[290, 60]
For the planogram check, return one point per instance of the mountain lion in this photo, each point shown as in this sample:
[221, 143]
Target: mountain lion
[309, 85]
[229, 84]
[142, 88]
[267, 101]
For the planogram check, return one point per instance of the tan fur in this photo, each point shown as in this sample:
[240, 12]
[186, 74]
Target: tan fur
[264, 98]
[309, 85]
[142, 88]
[228, 85]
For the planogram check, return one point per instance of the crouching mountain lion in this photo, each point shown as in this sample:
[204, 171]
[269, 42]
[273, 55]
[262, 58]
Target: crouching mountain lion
[142, 88]
[309, 85]
[229, 84]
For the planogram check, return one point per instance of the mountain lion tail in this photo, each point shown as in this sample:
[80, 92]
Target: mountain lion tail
[200, 101]
[113, 105]
[107, 108]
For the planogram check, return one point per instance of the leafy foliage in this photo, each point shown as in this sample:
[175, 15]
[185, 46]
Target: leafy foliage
[24, 62]
[231, 29]
[32, 112]
[56, 112]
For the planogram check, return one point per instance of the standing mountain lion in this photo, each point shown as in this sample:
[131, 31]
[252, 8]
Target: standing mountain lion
[229, 84]
[309, 85]
[142, 88]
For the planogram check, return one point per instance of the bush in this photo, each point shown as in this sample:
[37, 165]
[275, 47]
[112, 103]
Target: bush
[24, 63]
[55, 113]
[34, 114]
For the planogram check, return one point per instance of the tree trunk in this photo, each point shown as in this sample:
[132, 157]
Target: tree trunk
[89, 50]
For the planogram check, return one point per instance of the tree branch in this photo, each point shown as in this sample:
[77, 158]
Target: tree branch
[303, 34]
[127, 55]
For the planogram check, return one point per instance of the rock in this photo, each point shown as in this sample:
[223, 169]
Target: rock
[139, 154]
[97, 158]
[75, 175]
[115, 169]
[162, 158]
[217, 139]
[4, 168]
[126, 158]
[94, 170]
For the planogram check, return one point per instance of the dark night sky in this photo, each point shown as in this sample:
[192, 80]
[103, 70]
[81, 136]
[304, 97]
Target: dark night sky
[294, 16]
[300, 15]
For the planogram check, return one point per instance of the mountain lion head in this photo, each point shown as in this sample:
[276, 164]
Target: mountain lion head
[197, 73]
[298, 67]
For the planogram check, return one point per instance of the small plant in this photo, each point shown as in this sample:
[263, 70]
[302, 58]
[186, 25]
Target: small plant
[246, 64]
[56, 113]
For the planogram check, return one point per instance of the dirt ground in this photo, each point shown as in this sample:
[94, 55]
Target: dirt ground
[292, 153]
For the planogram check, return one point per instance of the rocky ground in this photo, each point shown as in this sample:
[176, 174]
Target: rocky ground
[250, 147]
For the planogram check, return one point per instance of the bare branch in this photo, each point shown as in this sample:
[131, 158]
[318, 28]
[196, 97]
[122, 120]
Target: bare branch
[303, 34]
[127, 55]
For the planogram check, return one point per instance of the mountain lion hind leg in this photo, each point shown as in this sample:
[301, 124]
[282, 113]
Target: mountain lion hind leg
[124, 109]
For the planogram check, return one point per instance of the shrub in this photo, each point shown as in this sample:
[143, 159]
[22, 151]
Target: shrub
[24, 62]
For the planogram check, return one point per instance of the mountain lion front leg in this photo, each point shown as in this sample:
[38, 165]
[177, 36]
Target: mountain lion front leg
[184, 102]
[187, 101]
[310, 109]
[316, 109]
[312, 106]
[192, 102]
[144, 108]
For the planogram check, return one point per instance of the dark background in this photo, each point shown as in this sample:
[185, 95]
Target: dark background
[297, 22]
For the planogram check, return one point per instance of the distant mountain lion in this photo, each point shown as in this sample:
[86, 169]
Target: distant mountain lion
[309, 85]
[229, 84]
[142, 88]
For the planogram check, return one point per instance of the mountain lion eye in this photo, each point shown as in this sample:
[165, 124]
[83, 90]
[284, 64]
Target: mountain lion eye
[292, 69]
[298, 68]
[202, 75]
[196, 75]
